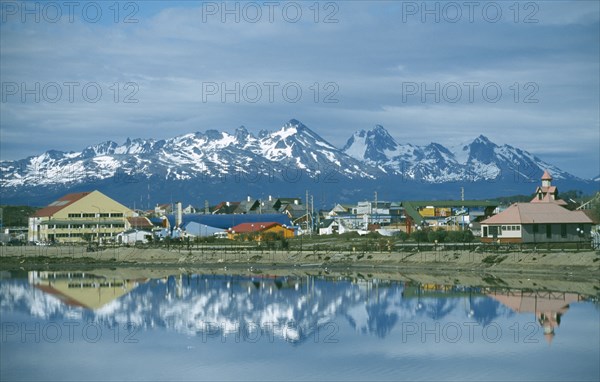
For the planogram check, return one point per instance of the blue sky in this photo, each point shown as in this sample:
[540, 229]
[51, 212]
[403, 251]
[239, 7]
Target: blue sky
[526, 75]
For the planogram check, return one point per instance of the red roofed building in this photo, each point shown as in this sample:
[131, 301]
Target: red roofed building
[536, 223]
[543, 220]
[139, 222]
[259, 231]
[79, 217]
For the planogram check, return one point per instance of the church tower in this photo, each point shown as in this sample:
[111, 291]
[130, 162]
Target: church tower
[547, 193]
[546, 179]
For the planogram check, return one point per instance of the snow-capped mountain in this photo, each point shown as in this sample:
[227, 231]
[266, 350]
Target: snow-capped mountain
[210, 154]
[479, 160]
[288, 160]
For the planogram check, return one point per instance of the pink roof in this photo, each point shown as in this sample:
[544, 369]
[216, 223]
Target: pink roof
[59, 204]
[252, 227]
[531, 302]
[529, 213]
[548, 199]
[546, 175]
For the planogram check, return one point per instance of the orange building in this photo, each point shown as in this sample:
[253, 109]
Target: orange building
[260, 231]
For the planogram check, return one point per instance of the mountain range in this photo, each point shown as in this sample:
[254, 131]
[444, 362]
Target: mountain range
[220, 165]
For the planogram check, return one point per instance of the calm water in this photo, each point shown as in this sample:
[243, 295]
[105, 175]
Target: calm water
[86, 326]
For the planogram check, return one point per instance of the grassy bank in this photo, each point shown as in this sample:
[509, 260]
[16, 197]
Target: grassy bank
[559, 262]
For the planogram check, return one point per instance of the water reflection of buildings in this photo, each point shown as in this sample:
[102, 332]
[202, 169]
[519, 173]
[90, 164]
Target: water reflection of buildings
[80, 289]
[548, 307]
[294, 308]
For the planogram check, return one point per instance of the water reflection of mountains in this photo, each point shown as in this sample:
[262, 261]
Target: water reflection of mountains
[290, 307]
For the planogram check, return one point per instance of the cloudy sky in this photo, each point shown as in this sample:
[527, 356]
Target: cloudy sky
[75, 74]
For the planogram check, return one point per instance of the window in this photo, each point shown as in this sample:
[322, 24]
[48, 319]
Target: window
[485, 231]
[116, 215]
[75, 215]
[548, 231]
[517, 227]
[88, 215]
[104, 215]
[563, 230]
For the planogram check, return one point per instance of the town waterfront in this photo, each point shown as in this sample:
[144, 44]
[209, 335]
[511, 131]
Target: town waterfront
[247, 324]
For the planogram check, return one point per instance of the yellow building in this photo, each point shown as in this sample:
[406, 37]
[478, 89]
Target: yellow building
[79, 217]
[82, 289]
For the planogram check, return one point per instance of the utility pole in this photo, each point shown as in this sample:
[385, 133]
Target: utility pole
[312, 213]
[462, 199]
[375, 221]
[306, 210]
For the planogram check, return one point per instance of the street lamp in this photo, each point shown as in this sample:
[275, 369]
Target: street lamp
[98, 225]
[579, 236]
[418, 229]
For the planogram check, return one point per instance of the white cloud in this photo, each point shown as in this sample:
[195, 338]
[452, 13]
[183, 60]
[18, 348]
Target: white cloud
[368, 54]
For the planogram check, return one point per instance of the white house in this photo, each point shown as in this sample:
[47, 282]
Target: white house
[133, 236]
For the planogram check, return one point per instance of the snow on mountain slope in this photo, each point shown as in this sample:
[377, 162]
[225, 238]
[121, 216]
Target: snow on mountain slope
[478, 160]
[291, 153]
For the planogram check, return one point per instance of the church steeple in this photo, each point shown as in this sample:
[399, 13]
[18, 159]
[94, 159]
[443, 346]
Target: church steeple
[547, 193]
[546, 179]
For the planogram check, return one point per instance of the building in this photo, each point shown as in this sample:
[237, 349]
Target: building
[547, 193]
[133, 236]
[446, 214]
[79, 217]
[543, 220]
[329, 227]
[201, 230]
[162, 209]
[260, 231]
[536, 223]
[140, 222]
[225, 208]
[248, 206]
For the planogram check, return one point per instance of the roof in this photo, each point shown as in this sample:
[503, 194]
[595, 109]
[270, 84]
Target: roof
[326, 223]
[253, 227]
[532, 302]
[592, 215]
[548, 199]
[546, 175]
[224, 208]
[452, 203]
[246, 206]
[530, 213]
[225, 221]
[545, 190]
[289, 200]
[139, 221]
[59, 204]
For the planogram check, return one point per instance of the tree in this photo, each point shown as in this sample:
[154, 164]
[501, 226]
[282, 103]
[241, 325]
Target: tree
[596, 209]
[419, 236]
[571, 194]
[16, 216]
[403, 236]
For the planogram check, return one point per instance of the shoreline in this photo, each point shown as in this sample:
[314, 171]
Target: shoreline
[581, 265]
